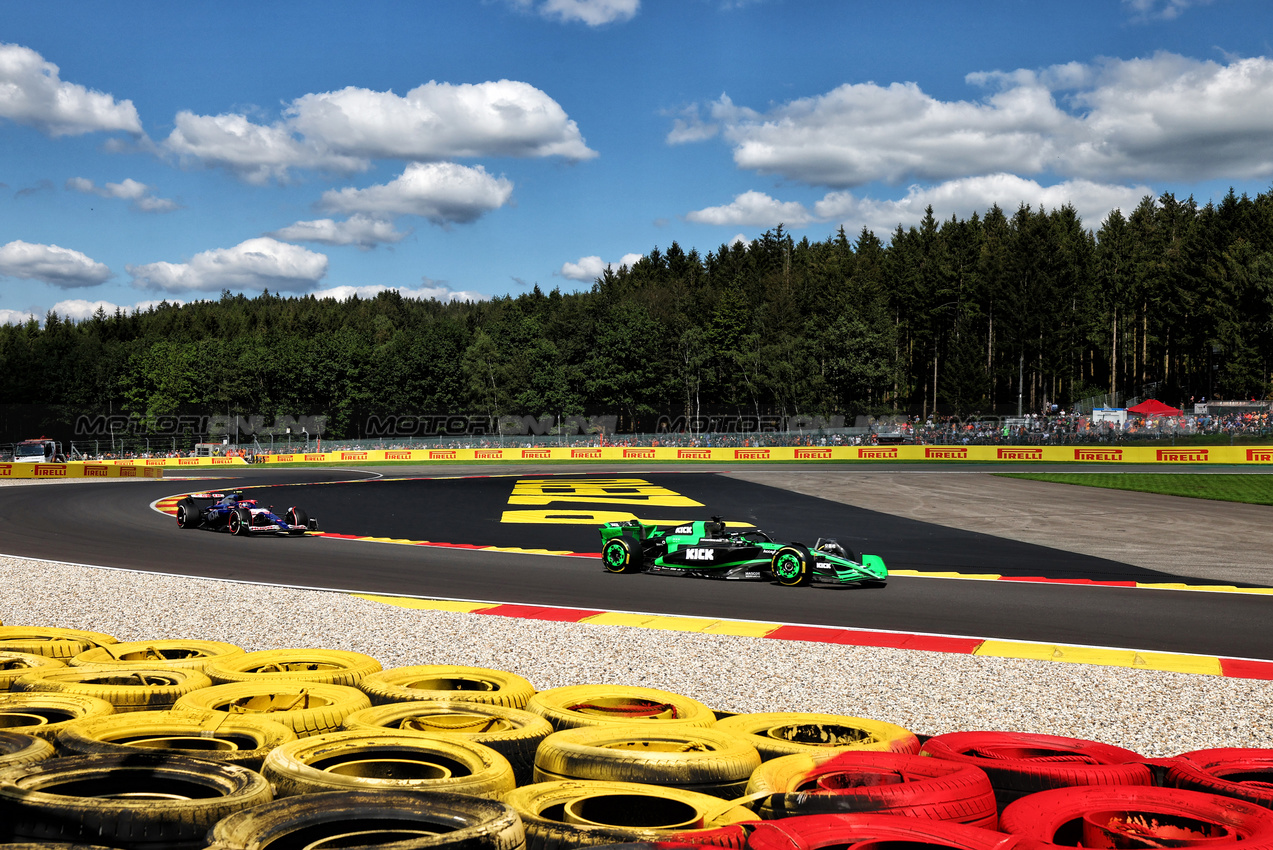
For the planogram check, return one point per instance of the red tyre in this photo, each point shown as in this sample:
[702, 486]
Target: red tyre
[873, 832]
[1020, 763]
[882, 783]
[1128, 818]
[1242, 772]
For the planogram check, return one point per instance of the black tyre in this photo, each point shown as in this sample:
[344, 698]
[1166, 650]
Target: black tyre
[791, 566]
[622, 555]
[240, 521]
[409, 820]
[188, 514]
[157, 801]
[297, 516]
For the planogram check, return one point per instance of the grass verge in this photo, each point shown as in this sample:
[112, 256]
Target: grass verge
[1250, 489]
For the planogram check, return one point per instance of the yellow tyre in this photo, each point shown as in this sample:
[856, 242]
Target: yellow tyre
[15, 664]
[575, 706]
[416, 820]
[176, 654]
[785, 733]
[447, 682]
[143, 689]
[579, 814]
[344, 761]
[46, 714]
[137, 800]
[305, 708]
[17, 748]
[50, 642]
[243, 739]
[323, 666]
[513, 733]
[705, 760]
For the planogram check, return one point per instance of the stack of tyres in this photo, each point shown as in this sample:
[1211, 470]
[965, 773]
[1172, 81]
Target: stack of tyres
[786, 733]
[243, 739]
[575, 706]
[16, 664]
[307, 708]
[133, 689]
[320, 666]
[182, 654]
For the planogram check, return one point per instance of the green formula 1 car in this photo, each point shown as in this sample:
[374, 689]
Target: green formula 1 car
[706, 549]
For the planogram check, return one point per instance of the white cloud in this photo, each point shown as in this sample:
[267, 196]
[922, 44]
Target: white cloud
[438, 121]
[139, 194]
[753, 209]
[32, 93]
[1166, 117]
[77, 309]
[61, 267]
[1092, 201]
[343, 131]
[255, 152]
[15, 317]
[442, 192]
[440, 292]
[364, 231]
[594, 13]
[260, 263]
[590, 268]
[1166, 10]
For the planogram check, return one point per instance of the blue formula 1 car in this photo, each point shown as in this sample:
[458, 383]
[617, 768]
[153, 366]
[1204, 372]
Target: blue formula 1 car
[237, 515]
[707, 549]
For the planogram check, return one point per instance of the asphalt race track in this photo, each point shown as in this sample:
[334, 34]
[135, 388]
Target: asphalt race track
[112, 524]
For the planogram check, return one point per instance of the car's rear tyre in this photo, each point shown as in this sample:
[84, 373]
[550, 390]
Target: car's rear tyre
[621, 555]
[791, 566]
[297, 516]
[240, 521]
[187, 513]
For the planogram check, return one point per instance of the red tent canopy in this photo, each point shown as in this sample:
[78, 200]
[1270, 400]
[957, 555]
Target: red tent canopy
[1154, 407]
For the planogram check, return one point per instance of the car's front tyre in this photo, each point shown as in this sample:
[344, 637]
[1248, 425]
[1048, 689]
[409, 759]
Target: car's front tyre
[240, 521]
[621, 555]
[791, 566]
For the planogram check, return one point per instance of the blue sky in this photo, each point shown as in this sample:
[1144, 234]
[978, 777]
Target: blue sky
[474, 148]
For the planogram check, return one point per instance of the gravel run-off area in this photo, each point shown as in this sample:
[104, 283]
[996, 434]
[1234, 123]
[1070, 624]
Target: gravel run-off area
[1153, 713]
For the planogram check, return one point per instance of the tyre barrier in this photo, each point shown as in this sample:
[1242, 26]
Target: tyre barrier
[1136, 817]
[575, 706]
[578, 814]
[45, 714]
[1020, 763]
[409, 820]
[784, 733]
[142, 689]
[1242, 772]
[305, 708]
[513, 733]
[448, 682]
[705, 760]
[856, 781]
[17, 749]
[826, 781]
[344, 761]
[179, 654]
[138, 801]
[874, 832]
[15, 664]
[243, 739]
[50, 642]
[321, 666]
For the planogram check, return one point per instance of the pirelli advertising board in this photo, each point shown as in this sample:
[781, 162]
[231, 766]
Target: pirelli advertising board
[978, 454]
[178, 461]
[53, 471]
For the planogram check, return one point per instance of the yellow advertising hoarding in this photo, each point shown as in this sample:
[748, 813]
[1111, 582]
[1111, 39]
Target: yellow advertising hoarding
[976, 454]
[77, 469]
[178, 461]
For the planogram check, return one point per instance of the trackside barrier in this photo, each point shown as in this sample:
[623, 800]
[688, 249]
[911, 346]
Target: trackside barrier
[77, 469]
[177, 461]
[976, 454]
